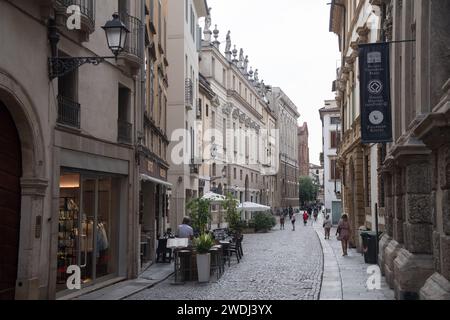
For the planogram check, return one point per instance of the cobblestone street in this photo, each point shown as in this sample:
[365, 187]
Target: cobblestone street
[280, 265]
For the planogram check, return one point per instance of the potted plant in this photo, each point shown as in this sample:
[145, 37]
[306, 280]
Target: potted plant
[202, 245]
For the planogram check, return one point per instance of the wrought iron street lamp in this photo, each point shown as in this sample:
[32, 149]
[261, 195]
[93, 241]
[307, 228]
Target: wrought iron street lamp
[116, 36]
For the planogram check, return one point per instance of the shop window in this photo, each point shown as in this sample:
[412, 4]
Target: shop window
[88, 227]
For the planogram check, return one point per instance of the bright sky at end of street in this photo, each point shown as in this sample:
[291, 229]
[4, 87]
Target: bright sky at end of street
[290, 43]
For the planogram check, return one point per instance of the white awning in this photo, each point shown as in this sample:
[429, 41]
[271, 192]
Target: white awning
[146, 178]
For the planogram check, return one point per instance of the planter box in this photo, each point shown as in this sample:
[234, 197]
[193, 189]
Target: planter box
[203, 267]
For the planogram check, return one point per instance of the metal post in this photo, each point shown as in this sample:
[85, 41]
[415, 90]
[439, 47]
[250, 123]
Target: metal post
[376, 231]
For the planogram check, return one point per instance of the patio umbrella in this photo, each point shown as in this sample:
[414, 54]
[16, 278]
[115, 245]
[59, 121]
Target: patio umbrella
[254, 207]
[214, 197]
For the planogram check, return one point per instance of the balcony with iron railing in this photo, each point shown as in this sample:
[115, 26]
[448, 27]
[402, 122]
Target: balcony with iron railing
[133, 50]
[124, 131]
[87, 10]
[68, 112]
[189, 93]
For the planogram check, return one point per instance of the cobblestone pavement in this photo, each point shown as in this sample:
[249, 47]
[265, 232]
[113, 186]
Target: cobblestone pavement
[280, 265]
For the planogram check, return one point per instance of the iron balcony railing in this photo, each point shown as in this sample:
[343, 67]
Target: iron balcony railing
[133, 44]
[87, 7]
[68, 112]
[124, 130]
[189, 93]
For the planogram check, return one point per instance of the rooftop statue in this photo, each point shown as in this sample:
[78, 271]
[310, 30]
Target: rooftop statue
[228, 45]
[208, 21]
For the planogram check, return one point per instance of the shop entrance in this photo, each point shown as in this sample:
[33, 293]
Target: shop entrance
[10, 197]
[88, 232]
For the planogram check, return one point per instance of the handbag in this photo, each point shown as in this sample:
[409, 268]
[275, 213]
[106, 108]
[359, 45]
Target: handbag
[339, 238]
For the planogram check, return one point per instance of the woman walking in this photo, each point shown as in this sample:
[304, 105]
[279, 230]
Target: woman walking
[344, 233]
[282, 221]
[327, 226]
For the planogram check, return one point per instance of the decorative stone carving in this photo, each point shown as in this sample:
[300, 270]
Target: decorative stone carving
[388, 21]
[207, 32]
[246, 65]
[411, 272]
[228, 43]
[248, 121]
[391, 253]
[236, 114]
[418, 238]
[226, 109]
[235, 52]
[445, 256]
[436, 288]
[216, 42]
[241, 58]
[446, 211]
[437, 250]
[256, 76]
[242, 117]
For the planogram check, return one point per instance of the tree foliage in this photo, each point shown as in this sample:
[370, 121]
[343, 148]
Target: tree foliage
[307, 190]
[199, 214]
[232, 216]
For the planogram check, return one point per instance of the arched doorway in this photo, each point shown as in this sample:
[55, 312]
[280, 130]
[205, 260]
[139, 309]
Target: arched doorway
[10, 198]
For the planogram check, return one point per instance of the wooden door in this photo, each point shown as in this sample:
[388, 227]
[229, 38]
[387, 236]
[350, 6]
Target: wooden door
[10, 197]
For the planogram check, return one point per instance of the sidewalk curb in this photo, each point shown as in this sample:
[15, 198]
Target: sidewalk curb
[331, 256]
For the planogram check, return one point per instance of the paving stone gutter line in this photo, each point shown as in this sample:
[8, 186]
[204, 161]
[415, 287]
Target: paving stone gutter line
[153, 284]
[331, 287]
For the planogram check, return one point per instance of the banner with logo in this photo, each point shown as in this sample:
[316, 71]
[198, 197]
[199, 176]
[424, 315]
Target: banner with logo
[376, 119]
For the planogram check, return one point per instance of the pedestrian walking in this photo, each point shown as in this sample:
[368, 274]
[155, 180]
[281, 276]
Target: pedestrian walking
[343, 233]
[305, 218]
[282, 222]
[316, 213]
[327, 226]
[293, 221]
[290, 213]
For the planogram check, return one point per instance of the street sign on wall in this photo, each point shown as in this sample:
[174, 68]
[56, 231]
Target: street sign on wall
[376, 119]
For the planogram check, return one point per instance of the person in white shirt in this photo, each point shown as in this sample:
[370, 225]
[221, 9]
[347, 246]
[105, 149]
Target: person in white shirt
[185, 231]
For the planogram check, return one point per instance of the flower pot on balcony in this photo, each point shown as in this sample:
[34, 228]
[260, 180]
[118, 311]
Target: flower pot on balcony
[203, 267]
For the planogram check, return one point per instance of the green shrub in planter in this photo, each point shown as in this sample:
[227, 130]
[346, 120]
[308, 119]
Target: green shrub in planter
[264, 221]
[204, 243]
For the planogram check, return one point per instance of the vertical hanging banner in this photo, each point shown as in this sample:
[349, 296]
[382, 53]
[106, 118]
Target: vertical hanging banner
[376, 118]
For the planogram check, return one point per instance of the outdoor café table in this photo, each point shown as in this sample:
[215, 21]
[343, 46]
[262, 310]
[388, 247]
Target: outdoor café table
[177, 245]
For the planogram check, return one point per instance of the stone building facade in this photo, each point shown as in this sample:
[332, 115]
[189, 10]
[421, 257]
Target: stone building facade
[414, 169]
[303, 149]
[330, 116]
[288, 174]
[356, 22]
[152, 134]
[69, 170]
[414, 251]
[183, 47]
[239, 134]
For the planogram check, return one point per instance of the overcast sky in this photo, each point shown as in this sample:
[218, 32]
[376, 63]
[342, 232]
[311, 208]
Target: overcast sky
[289, 42]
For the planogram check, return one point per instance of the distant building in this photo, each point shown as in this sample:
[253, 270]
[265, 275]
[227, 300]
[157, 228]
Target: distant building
[288, 174]
[303, 150]
[316, 173]
[331, 126]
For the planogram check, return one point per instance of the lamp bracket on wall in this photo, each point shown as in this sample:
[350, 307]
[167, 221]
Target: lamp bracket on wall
[59, 67]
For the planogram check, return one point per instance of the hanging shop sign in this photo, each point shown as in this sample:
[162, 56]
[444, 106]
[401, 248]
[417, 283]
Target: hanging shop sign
[376, 119]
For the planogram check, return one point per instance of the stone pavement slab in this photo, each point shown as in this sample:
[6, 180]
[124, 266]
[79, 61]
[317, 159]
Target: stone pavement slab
[122, 290]
[345, 278]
